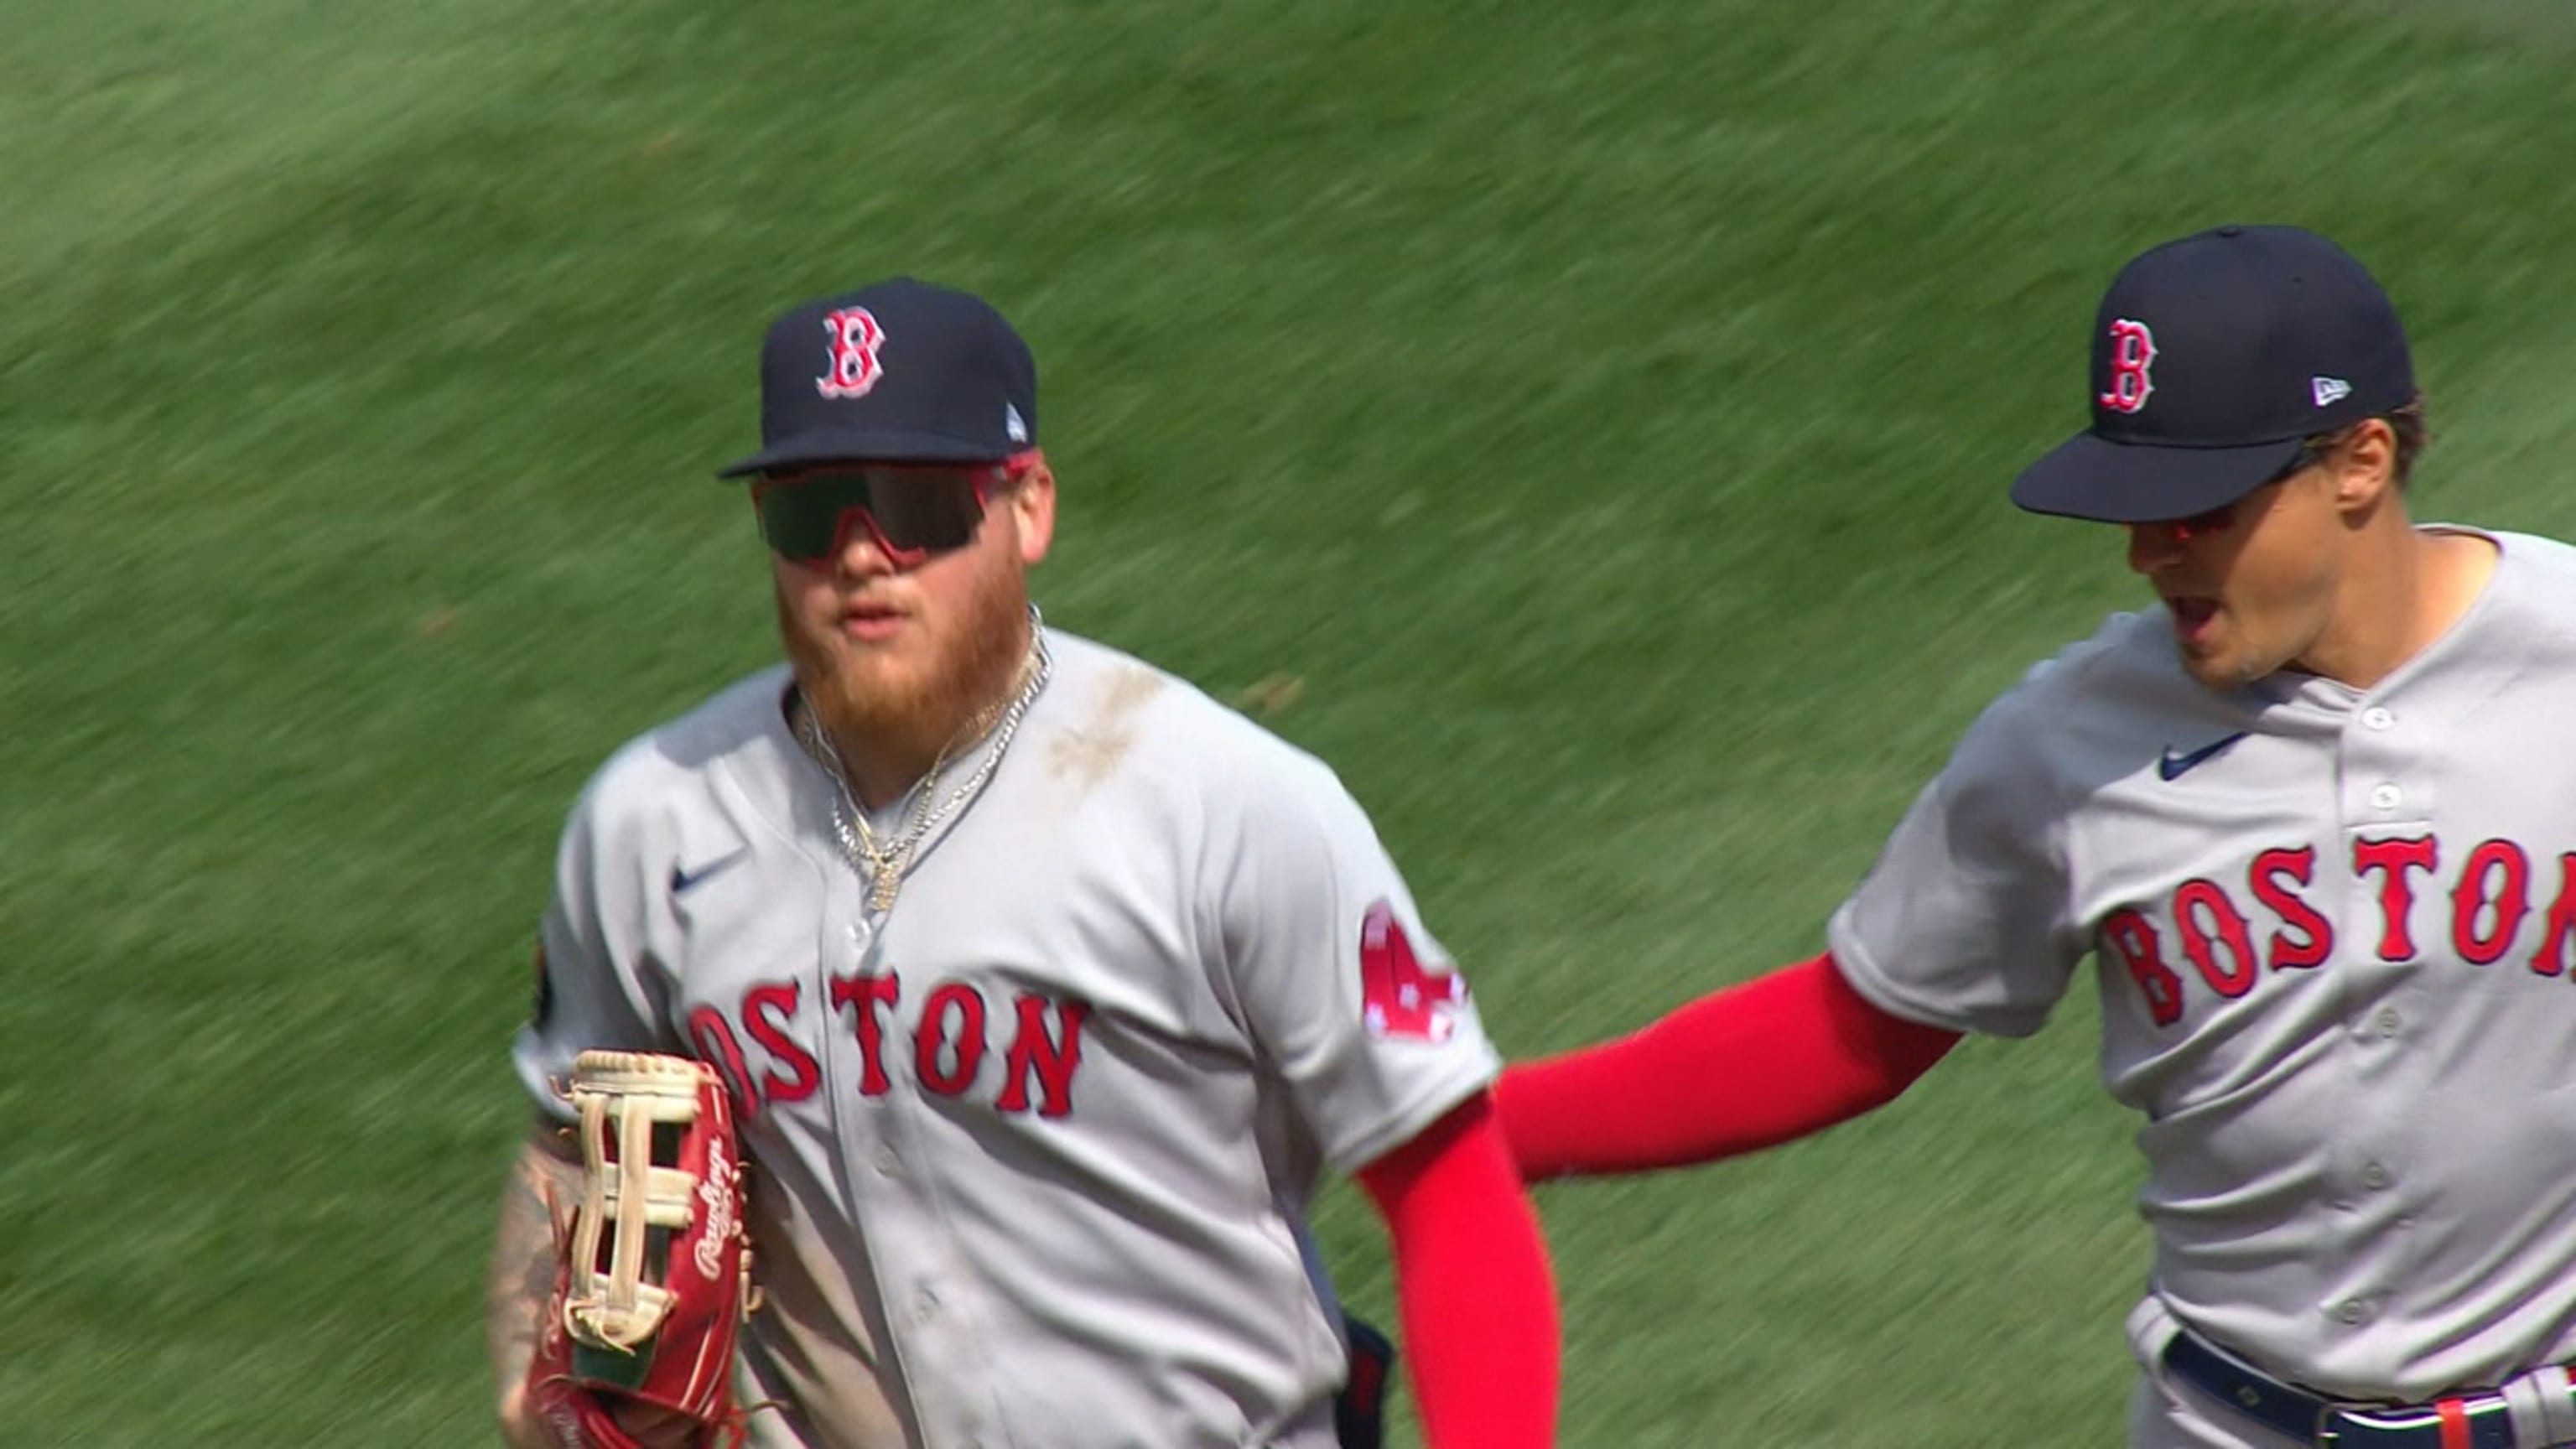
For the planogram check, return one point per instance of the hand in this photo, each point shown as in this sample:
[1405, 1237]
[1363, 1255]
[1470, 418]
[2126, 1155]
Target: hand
[520, 1428]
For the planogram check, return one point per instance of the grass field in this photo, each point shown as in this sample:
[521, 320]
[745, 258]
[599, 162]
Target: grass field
[1602, 410]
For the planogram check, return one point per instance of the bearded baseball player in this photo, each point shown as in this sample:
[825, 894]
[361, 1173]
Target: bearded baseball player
[996, 997]
[2313, 816]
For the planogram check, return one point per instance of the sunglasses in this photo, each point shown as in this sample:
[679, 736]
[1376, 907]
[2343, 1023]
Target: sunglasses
[909, 512]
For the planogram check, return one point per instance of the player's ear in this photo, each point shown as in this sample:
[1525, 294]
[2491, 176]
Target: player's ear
[1032, 504]
[2364, 465]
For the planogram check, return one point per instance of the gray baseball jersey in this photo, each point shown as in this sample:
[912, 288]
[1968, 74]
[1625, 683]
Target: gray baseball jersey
[2332, 932]
[1033, 1147]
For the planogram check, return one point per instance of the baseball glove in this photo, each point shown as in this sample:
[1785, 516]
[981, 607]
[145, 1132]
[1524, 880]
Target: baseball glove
[654, 1278]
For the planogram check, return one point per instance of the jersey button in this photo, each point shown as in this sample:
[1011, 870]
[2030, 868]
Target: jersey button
[2389, 1021]
[2353, 1310]
[925, 1305]
[888, 1165]
[2374, 1176]
[2386, 797]
[2377, 718]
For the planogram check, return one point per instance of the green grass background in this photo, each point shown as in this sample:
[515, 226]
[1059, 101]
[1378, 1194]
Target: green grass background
[1603, 410]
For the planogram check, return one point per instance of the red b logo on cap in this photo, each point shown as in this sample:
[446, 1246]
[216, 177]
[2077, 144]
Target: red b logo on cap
[2133, 352]
[853, 367]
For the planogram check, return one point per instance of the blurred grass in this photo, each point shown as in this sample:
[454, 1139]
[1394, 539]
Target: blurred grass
[1603, 413]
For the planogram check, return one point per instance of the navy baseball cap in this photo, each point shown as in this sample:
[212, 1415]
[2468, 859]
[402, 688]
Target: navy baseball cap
[2214, 358]
[896, 372]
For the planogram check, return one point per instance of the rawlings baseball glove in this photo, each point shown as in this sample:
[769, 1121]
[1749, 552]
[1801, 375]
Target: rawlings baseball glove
[655, 1277]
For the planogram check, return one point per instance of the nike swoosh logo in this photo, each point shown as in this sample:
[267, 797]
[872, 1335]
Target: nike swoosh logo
[687, 880]
[2174, 767]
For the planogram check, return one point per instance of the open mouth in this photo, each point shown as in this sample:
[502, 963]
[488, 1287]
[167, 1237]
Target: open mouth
[2192, 614]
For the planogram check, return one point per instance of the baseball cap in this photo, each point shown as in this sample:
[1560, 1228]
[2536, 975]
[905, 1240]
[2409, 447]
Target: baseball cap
[899, 371]
[2214, 357]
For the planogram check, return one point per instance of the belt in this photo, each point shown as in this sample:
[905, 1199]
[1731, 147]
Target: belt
[2542, 1401]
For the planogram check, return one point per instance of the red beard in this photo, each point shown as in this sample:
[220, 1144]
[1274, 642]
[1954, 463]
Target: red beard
[906, 716]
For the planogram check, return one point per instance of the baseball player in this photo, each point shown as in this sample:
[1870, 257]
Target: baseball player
[2314, 817]
[1043, 986]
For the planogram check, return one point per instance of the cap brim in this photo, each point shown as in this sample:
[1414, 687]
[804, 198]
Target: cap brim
[2092, 477]
[864, 446]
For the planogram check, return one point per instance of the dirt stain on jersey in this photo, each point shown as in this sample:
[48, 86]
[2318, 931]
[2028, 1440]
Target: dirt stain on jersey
[1091, 753]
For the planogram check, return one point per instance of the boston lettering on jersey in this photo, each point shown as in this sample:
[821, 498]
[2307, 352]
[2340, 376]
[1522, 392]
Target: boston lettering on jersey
[2490, 897]
[949, 1044]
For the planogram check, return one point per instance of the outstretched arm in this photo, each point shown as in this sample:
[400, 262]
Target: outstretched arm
[1752, 1066]
[1478, 1308]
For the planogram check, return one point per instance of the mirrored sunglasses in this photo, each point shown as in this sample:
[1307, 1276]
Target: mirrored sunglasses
[910, 513]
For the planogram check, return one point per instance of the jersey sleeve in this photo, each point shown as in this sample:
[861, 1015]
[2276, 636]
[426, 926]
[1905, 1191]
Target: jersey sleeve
[1964, 920]
[1341, 987]
[593, 983]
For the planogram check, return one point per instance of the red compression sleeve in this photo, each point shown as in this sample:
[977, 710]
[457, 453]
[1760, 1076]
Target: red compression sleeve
[1471, 1277]
[1776, 1058]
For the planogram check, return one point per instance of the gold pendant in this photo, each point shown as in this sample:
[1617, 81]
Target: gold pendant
[881, 891]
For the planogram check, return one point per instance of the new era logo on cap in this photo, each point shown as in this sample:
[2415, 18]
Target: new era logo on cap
[897, 372]
[2213, 358]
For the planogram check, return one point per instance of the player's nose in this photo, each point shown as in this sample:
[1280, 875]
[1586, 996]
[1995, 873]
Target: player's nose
[2153, 546]
[859, 554]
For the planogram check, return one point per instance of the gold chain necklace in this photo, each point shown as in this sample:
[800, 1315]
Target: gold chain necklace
[884, 864]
